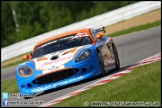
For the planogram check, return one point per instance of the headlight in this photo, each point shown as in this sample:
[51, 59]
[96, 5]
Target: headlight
[84, 55]
[25, 71]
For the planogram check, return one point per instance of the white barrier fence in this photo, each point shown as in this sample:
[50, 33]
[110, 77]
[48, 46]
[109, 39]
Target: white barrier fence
[105, 19]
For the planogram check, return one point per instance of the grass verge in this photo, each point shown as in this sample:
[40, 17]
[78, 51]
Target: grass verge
[19, 59]
[14, 61]
[135, 29]
[9, 86]
[141, 85]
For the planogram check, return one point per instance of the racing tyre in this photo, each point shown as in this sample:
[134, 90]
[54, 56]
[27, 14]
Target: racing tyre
[117, 62]
[101, 63]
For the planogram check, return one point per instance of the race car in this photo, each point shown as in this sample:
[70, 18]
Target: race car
[65, 59]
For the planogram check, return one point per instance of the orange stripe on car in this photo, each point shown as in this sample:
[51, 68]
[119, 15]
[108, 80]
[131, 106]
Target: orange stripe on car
[72, 50]
[41, 59]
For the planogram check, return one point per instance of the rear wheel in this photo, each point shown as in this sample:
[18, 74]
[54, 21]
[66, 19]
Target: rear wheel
[101, 63]
[117, 62]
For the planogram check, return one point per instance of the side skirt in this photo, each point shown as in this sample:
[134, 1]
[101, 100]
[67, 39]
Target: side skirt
[109, 68]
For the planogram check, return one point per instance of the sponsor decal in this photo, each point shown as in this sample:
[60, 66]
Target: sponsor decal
[65, 38]
[82, 34]
[53, 68]
[56, 61]
[68, 81]
[40, 89]
[54, 41]
[57, 40]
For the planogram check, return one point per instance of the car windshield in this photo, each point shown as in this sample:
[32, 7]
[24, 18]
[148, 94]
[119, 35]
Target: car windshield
[62, 43]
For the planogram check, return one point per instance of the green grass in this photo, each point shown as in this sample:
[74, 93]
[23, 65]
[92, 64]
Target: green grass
[19, 59]
[14, 63]
[9, 86]
[141, 85]
[135, 29]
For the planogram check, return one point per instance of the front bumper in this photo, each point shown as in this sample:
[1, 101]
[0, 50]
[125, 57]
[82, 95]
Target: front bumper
[33, 85]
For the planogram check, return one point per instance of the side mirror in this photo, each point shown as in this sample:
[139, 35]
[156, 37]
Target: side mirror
[99, 35]
[26, 57]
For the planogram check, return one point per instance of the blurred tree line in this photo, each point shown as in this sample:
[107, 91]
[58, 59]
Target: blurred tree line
[32, 18]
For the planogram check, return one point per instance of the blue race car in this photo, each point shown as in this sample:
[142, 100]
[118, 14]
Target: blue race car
[65, 59]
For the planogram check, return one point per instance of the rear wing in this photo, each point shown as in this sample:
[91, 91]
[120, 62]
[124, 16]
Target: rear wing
[101, 29]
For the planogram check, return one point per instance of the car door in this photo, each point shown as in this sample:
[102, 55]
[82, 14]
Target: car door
[104, 44]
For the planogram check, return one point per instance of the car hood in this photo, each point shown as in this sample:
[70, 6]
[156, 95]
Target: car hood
[55, 60]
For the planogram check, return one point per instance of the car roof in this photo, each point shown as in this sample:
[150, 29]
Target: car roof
[62, 35]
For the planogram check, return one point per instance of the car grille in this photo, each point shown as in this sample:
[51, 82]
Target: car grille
[55, 76]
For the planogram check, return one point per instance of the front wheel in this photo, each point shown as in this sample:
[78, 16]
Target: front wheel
[117, 62]
[101, 63]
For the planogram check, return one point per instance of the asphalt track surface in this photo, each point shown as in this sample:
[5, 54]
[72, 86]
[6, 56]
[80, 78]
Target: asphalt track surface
[131, 48]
